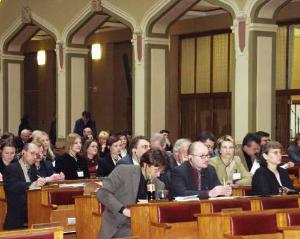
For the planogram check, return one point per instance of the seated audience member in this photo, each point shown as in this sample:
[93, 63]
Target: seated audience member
[24, 124]
[229, 167]
[180, 152]
[16, 183]
[249, 150]
[158, 141]
[8, 136]
[138, 146]
[23, 139]
[124, 144]
[90, 154]
[270, 178]
[124, 186]
[102, 142]
[47, 149]
[209, 140]
[42, 167]
[8, 152]
[263, 137]
[87, 134]
[294, 150]
[196, 176]
[108, 163]
[71, 164]
[83, 122]
[166, 133]
[128, 135]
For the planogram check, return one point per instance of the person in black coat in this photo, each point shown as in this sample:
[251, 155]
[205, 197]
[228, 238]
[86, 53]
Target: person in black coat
[16, 183]
[196, 177]
[270, 178]
[8, 152]
[71, 164]
[108, 163]
[84, 122]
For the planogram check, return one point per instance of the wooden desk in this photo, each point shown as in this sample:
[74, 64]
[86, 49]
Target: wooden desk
[40, 211]
[141, 215]
[3, 206]
[87, 224]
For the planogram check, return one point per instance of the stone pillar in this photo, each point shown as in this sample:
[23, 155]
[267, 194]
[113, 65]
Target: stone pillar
[73, 88]
[253, 105]
[11, 92]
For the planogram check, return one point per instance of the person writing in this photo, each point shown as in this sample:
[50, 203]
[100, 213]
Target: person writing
[196, 176]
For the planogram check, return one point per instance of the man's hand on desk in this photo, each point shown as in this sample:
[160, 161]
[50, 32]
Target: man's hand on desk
[220, 191]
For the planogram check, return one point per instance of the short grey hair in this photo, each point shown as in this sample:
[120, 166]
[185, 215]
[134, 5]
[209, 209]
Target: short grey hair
[179, 144]
[158, 137]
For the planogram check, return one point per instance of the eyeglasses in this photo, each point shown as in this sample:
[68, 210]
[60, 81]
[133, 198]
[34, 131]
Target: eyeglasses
[204, 156]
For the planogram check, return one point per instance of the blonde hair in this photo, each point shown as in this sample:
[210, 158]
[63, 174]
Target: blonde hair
[103, 134]
[225, 138]
[70, 141]
[38, 137]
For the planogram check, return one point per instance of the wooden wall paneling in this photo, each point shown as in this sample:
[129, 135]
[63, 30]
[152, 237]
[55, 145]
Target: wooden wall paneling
[221, 114]
[282, 119]
[188, 117]
[31, 89]
[204, 114]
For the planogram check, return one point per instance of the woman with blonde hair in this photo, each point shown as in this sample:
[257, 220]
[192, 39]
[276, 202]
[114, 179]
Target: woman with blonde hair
[102, 143]
[229, 167]
[71, 163]
[43, 138]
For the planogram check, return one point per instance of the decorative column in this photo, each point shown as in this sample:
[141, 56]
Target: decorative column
[11, 92]
[74, 87]
[262, 73]
[253, 106]
[156, 82]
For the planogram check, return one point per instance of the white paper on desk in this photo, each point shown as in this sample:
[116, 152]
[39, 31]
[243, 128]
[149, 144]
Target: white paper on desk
[224, 198]
[187, 198]
[67, 185]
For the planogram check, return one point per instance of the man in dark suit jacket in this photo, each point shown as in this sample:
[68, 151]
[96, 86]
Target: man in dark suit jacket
[85, 122]
[124, 186]
[16, 183]
[196, 177]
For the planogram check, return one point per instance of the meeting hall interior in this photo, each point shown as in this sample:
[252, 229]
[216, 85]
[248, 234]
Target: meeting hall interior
[88, 87]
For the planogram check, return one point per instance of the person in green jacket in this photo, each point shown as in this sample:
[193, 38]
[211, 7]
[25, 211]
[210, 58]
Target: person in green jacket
[229, 167]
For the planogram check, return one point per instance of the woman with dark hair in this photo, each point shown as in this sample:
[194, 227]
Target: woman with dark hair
[108, 163]
[294, 150]
[8, 152]
[71, 163]
[270, 178]
[90, 154]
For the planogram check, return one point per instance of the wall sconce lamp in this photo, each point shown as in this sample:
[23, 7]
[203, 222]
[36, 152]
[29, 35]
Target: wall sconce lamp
[41, 57]
[96, 51]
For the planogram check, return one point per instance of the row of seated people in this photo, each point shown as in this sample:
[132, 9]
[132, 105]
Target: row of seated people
[73, 166]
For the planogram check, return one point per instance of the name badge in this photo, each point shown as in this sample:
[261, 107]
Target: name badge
[80, 174]
[236, 176]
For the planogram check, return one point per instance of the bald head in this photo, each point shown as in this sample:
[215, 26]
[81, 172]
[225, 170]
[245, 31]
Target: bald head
[196, 147]
[198, 155]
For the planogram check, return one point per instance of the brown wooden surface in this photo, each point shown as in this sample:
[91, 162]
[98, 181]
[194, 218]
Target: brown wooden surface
[3, 206]
[58, 232]
[87, 225]
[143, 219]
[40, 211]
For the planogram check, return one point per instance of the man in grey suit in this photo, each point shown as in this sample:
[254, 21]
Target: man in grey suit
[124, 186]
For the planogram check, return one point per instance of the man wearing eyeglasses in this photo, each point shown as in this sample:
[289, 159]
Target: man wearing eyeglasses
[196, 177]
